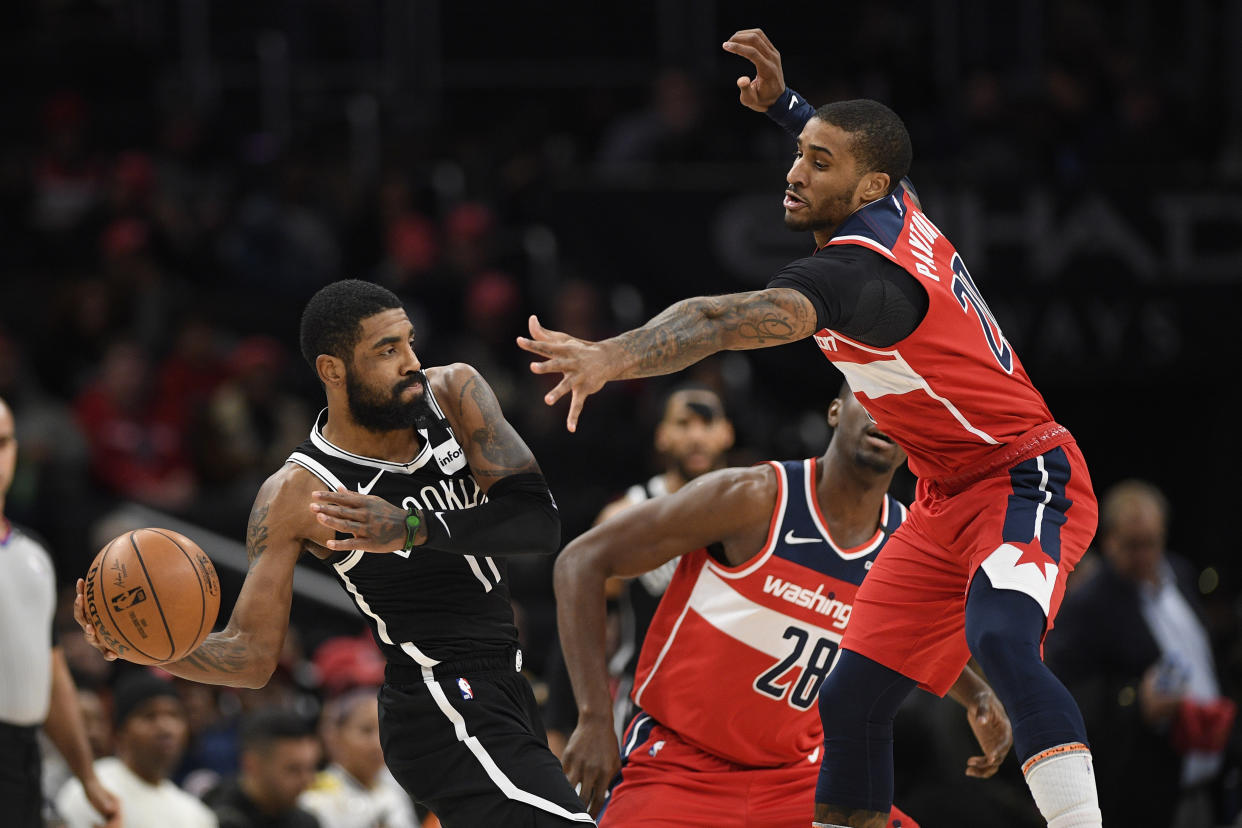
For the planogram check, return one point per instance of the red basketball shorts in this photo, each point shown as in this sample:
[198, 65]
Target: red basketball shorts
[666, 782]
[1026, 526]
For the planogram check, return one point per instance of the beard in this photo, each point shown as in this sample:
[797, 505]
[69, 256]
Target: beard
[829, 215]
[375, 411]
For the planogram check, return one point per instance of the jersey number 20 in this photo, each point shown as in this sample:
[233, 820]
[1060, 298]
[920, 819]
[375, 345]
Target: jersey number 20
[806, 688]
[969, 297]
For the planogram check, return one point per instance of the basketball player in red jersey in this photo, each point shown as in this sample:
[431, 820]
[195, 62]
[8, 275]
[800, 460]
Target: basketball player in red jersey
[1004, 506]
[770, 559]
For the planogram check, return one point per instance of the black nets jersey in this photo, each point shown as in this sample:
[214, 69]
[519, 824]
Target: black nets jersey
[424, 606]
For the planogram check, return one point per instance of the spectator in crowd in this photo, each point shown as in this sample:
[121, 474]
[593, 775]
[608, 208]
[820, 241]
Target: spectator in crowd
[1131, 645]
[356, 790]
[150, 736]
[136, 441]
[279, 754]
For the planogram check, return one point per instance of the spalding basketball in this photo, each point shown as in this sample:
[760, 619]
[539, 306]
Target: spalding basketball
[152, 595]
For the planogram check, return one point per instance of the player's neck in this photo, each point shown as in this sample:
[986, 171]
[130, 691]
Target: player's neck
[850, 498]
[398, 446]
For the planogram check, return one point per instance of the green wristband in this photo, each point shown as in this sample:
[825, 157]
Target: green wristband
[412, 522]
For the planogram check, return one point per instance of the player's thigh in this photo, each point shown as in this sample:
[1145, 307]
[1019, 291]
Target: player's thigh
[676, 801]
[782, 797]
[1031, 526]
[475, 760]
[908, 615]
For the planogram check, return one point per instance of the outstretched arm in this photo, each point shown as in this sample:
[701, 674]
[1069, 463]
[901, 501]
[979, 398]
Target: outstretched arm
[723, 506]
[987, 719]
[680, 336]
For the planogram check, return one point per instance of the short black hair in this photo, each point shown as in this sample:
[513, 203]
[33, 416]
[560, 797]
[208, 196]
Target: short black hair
[267, 726]
[332, 320]
[880, 141]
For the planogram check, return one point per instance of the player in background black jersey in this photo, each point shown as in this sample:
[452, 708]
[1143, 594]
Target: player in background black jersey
[430, 487]
[693, 436]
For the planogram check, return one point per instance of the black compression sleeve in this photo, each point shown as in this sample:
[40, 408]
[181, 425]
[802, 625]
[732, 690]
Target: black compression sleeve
[859, 293]
[518, 518]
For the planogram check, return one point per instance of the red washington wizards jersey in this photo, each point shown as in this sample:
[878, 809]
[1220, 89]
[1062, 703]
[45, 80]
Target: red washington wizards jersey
[953, 390]
[735, 656]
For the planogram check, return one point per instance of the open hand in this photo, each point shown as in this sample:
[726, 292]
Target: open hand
[761, 91]
[585, 366]
[376, 524]
[992, 729]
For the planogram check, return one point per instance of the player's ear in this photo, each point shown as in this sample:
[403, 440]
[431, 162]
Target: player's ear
[834, 413]
[729, 435]
[331, 369]
[873, 186]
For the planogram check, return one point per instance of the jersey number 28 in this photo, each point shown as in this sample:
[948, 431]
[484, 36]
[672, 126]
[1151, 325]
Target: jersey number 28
[805, 690]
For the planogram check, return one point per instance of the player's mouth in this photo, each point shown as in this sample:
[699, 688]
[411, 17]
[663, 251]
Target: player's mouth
[793, 201]
[879, 437]
[415, 383]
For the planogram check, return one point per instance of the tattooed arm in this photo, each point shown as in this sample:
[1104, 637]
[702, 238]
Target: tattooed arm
[244, 654]
[680, 336]
[519, 516]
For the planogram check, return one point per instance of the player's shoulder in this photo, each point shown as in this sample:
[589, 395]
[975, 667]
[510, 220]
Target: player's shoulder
[734, 486]
[452, 378]
[285, 497]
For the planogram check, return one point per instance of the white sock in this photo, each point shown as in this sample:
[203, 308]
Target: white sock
[1062, 781]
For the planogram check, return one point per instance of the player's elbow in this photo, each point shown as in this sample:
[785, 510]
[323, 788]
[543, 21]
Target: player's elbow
[574, 566]
[260, 673]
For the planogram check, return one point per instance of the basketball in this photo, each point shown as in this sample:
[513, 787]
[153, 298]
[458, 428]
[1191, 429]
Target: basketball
[152, 595]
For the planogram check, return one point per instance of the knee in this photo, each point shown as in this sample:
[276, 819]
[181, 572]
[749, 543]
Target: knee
[839, 708]
[860, 695]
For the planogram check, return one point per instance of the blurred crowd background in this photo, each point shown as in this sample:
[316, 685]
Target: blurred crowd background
[178, 177]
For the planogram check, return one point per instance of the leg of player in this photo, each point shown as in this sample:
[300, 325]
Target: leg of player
[856, 705]
[1003, 629]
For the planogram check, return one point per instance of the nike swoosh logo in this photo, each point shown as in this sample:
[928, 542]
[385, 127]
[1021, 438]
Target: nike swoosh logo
[793, 99]
[367, 488]
[791, 538]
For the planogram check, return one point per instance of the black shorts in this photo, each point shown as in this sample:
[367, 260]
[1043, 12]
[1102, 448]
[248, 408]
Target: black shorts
[465, 739]
[21, 783]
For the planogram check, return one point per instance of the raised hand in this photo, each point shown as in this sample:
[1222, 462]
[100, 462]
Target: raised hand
[991, 727]
[376, 524]
[591, 760]
[761, 91]
[585, 366]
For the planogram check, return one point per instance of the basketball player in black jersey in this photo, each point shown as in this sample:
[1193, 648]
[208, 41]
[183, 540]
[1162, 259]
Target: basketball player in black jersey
[412, 488]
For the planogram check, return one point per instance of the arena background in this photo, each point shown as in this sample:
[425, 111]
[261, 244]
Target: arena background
[176, 178]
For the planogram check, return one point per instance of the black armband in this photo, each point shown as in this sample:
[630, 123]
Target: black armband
[791, 111]
[519, 517]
